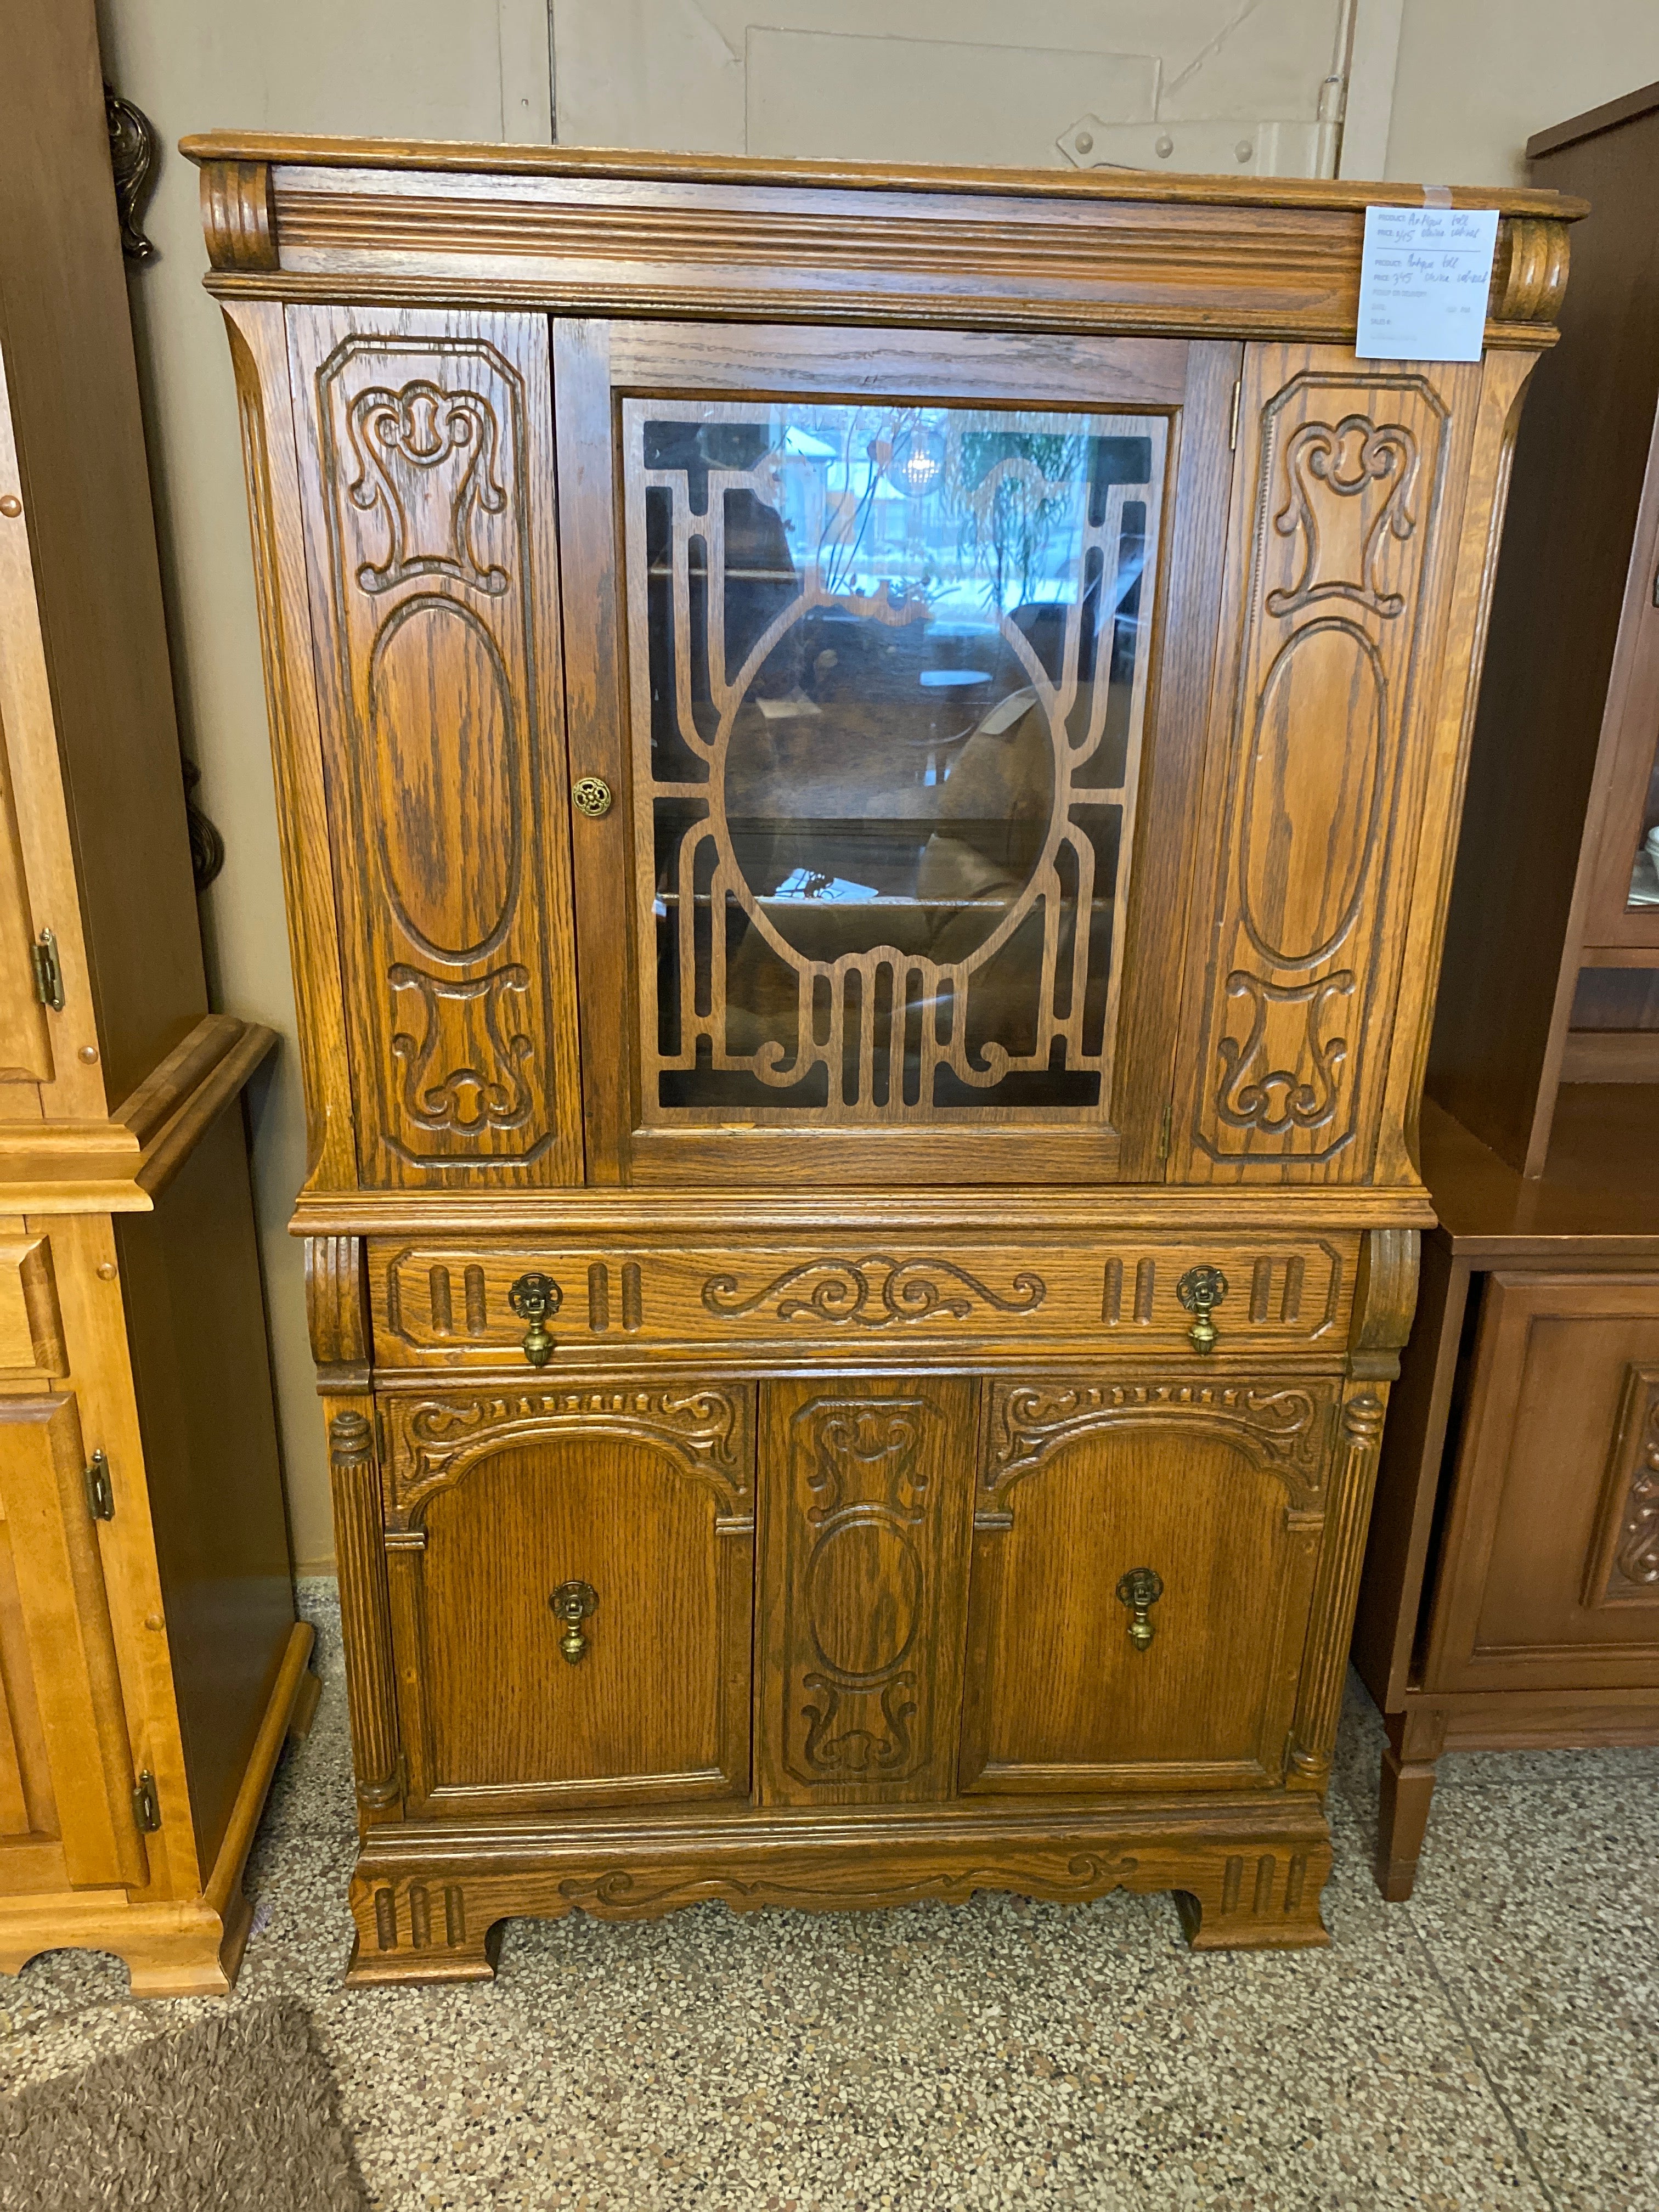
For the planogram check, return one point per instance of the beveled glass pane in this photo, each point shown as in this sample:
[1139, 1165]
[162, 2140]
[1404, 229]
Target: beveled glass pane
[889, 676]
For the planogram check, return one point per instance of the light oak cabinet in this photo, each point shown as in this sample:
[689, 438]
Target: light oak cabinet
[150, 1661]
[867, 762]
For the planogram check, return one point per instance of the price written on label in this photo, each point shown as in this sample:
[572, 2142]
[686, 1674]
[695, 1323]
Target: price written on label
[1424, 280]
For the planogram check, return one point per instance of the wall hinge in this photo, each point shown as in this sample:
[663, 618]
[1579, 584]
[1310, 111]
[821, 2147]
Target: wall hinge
[48, 971]
[146, 1805]
[1232, 427]
[1164, 1133]
[100, 1490]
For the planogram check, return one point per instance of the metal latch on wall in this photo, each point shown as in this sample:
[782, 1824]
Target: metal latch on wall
[100, 1490]
[48, 971]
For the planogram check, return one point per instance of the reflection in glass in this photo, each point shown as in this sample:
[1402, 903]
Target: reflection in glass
[1644, 870]
[890, 664]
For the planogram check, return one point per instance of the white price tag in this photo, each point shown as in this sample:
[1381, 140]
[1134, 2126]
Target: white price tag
[1423, 283]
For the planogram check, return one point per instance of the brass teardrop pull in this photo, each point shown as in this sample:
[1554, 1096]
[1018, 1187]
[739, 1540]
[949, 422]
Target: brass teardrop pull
[1139, 1589]
[1200, 1290]
[533, 1298]
[572, 1603]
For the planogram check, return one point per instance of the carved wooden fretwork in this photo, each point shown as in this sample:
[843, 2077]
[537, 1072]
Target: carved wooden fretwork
[1285, 1429]
[871, 1292]
[447, 723]
[886, 1034]
[704, 1429]
[866, 1535]
[1349, 488]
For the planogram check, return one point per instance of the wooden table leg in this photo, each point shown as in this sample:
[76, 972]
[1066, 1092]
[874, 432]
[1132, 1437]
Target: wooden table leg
[1415, 1741]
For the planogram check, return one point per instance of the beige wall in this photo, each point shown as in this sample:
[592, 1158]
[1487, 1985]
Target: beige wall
[1477, 77]
[1472, 80]
[433, 69]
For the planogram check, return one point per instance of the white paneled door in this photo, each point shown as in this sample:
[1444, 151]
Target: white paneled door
[1246, 88]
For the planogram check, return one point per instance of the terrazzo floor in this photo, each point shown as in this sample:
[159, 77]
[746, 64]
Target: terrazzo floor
[1494, 2042]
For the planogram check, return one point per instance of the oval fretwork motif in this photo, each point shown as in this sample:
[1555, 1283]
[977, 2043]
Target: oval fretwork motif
[891, 667]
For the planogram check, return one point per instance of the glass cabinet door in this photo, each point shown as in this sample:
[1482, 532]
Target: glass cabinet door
[890, 667]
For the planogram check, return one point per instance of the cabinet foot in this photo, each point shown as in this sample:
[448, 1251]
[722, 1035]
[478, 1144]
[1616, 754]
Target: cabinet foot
[1415, 1744]
[420, 1931]
[1266, 1900]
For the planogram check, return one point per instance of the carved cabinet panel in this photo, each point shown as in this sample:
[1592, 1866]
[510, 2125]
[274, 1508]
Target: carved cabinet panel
[1552, 1547]
[428, 480]
[866, 1487]
[1144, 1563]
[1345, 519]
[571, 1580]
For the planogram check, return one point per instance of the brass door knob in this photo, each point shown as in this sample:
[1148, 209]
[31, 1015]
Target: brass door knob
[1200, 1290]
[572, 1603]
[1139, 1589]
[592, 794]
[533, 1298]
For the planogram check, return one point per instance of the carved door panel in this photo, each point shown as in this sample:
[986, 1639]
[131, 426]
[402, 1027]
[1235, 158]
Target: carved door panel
[912, 684]
[1550, 1573]
[867, 1487]
[1143, 1570]
[66, 1766]
[571, 1577]
[427, 480]
[1346, 522]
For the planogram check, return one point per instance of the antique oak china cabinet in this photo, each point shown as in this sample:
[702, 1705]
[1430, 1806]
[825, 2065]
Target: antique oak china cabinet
[868, 763]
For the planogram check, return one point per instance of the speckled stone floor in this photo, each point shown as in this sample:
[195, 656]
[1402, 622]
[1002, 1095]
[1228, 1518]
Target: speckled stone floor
[1495, 2042]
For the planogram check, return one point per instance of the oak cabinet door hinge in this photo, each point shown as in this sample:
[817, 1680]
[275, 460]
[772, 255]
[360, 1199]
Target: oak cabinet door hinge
[146, 1804]
[48, 971]
[100, 1490]
[1232, 427]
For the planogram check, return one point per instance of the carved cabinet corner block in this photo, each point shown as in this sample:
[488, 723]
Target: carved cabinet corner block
[866, 776]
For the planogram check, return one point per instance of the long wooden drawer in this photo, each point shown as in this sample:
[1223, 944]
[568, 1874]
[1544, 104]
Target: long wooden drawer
[445, 1302]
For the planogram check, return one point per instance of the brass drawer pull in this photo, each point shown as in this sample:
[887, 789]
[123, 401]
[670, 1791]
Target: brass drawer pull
[1139, 1589]
[593, 796]
[533, 1298]
[1199, 1290]
[572, 1603]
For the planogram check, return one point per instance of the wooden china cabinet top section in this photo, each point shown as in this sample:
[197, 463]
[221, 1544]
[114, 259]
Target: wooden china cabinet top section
[640, 234]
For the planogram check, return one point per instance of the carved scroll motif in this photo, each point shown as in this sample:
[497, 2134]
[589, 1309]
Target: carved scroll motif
[426, 459]
[1284, 1429]
[1353, 457]
[706, 1430]
[463, 1070]
[872, 1292]
[1301, 1094]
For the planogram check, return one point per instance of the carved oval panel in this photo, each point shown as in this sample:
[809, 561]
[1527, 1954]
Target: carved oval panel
[441, 734]
[1313, 797]
[864, 1595]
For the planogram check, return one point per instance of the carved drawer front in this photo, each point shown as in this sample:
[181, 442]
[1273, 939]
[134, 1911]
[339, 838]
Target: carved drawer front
[571, 1578]
[449, 1302]
[1144, 1566]
[866, 1487]
[1550, 1566]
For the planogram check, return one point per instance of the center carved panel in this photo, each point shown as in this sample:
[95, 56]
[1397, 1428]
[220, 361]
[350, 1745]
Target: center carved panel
[866, 1523]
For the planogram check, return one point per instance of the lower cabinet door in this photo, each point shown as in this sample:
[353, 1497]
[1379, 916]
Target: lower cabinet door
[572, 1597]
[1143, 1570]
[66, 1769]
[1549, 1573]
